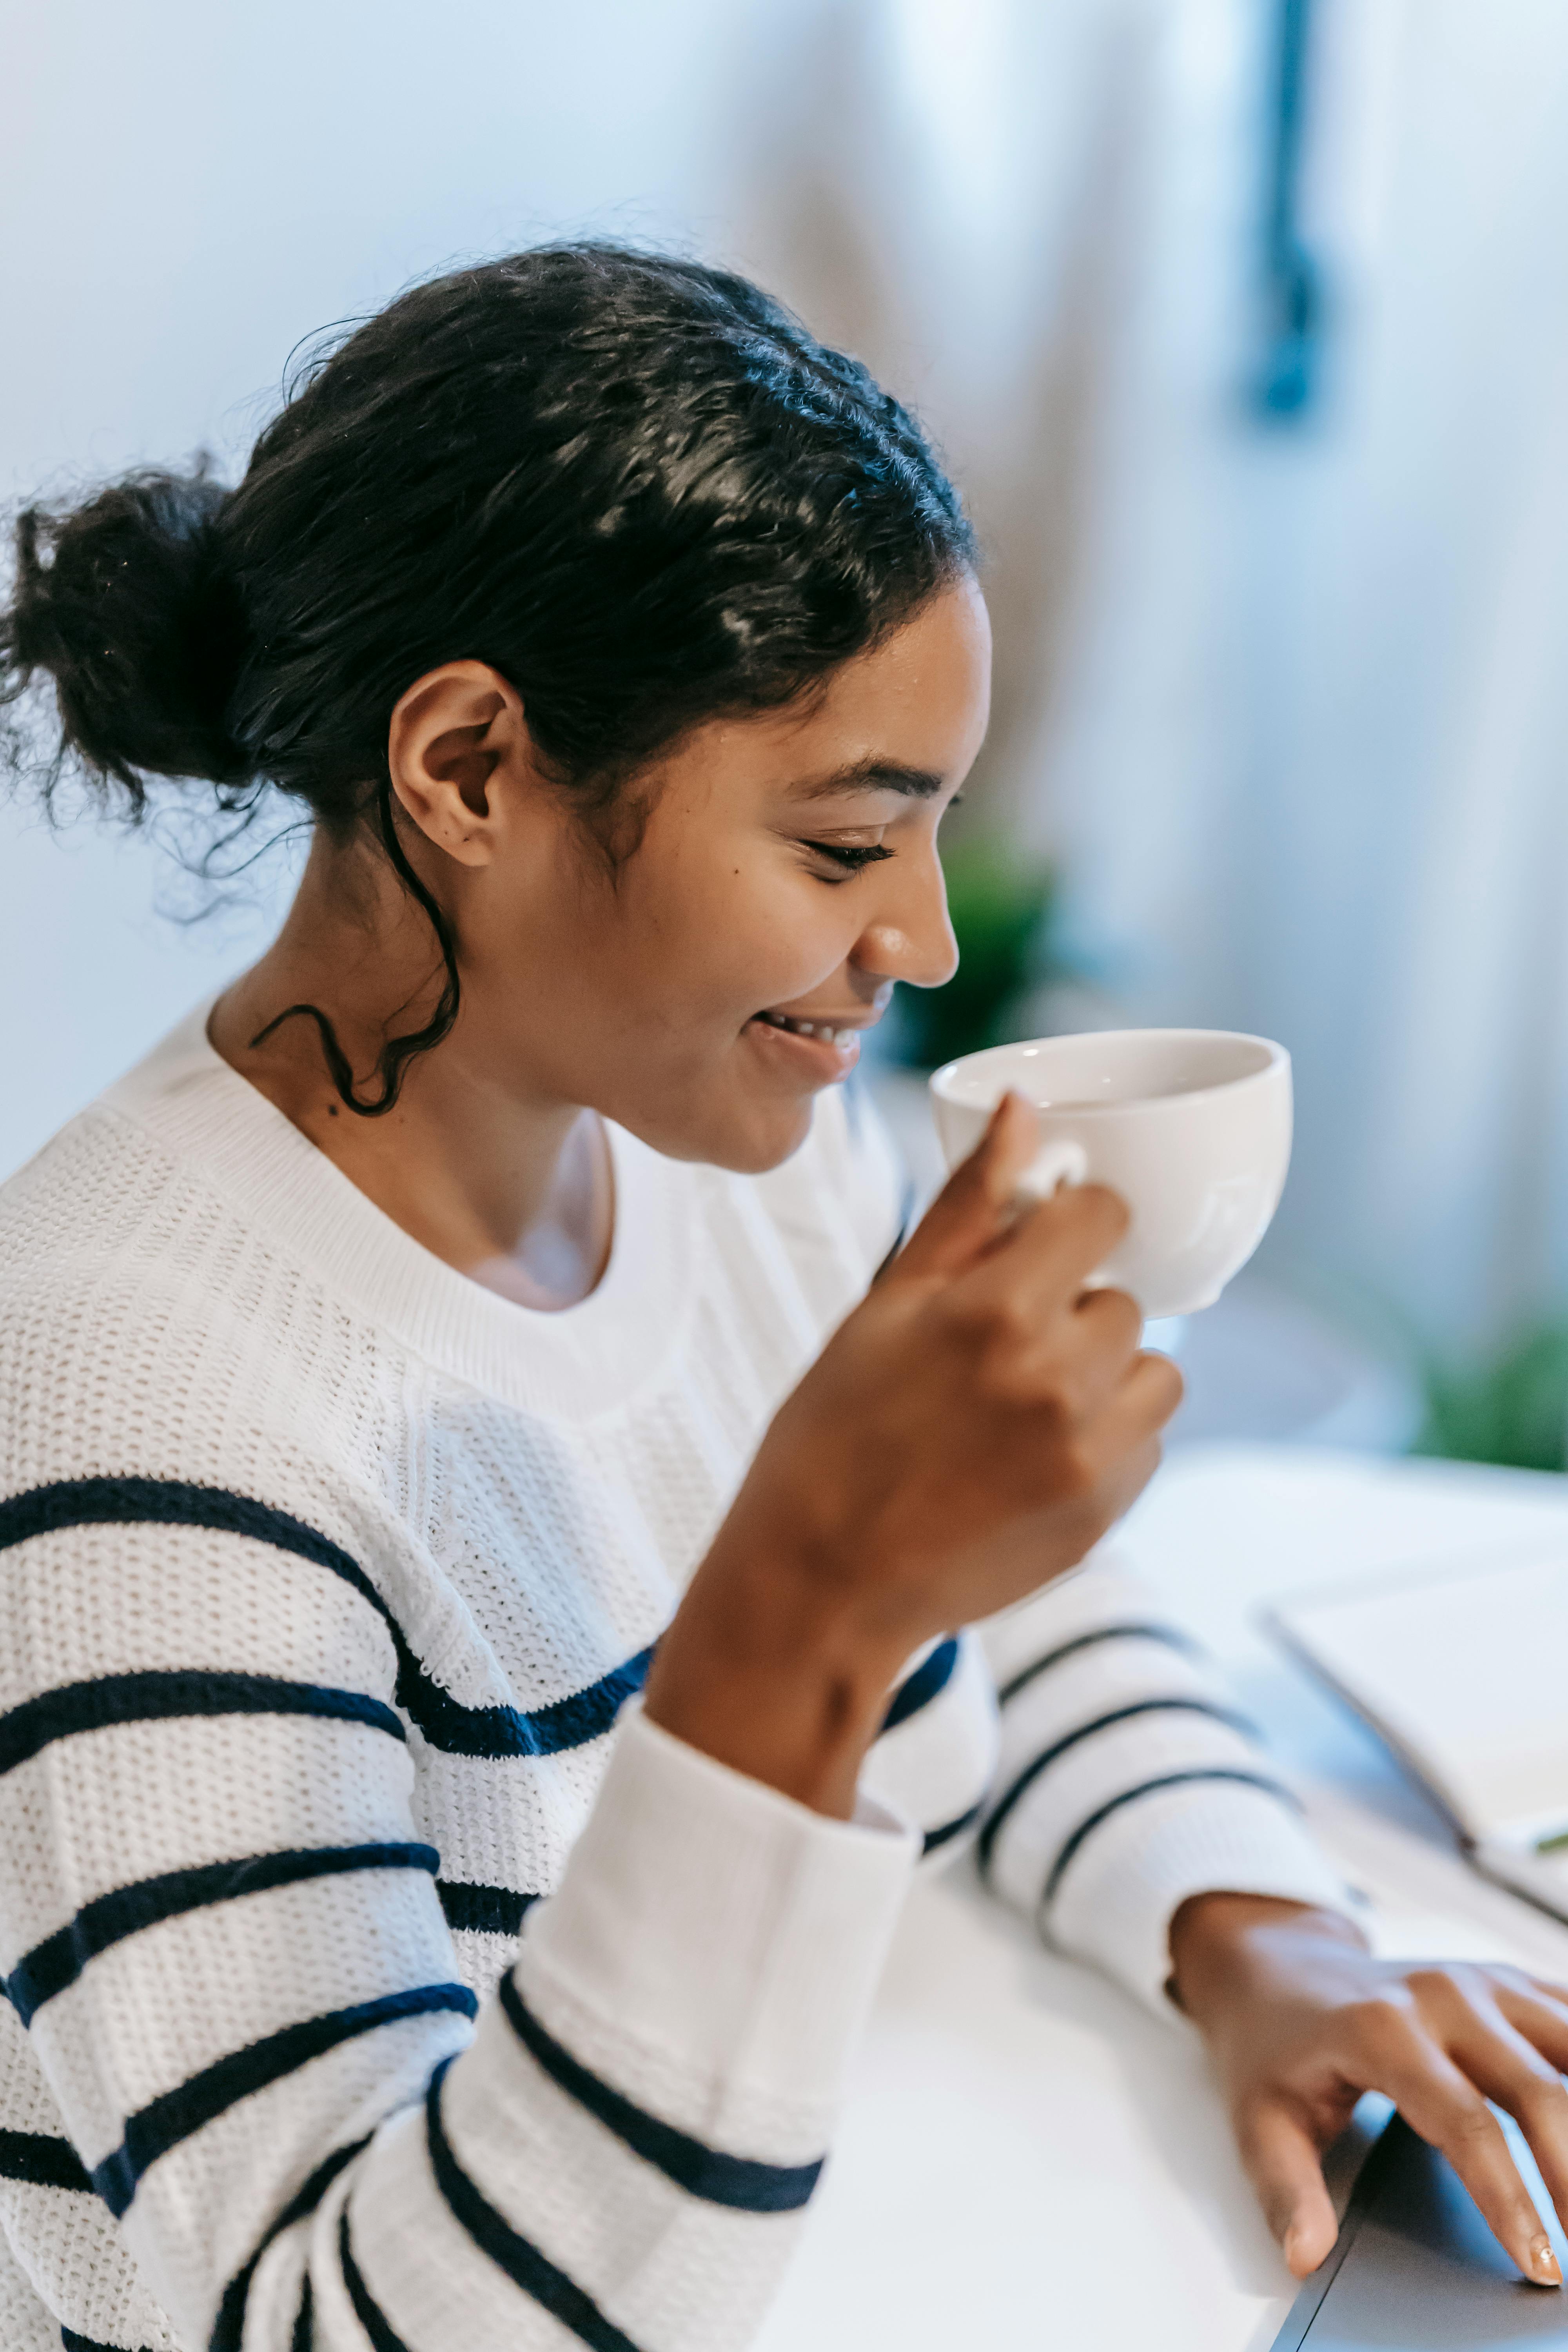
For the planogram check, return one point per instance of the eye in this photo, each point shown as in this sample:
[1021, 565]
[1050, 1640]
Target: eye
[847, 856]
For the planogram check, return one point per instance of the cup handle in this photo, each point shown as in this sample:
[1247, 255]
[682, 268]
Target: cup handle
[1061, 1162]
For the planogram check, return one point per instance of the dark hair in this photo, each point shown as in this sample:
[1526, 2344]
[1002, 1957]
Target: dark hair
[634, 485]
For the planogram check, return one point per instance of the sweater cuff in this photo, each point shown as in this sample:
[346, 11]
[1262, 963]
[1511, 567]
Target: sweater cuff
[713, 1946]
[1116, 1903]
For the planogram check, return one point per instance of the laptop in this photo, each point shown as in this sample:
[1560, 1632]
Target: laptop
[1416, 2269]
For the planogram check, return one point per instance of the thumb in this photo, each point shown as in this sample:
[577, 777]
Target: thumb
[1281, 2159]
[978, 1203]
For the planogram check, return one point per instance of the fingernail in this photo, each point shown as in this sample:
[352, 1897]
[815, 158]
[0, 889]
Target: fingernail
[1293, 2246]
[1543, 2263]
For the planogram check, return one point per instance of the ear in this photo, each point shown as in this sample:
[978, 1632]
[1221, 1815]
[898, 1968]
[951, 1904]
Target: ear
[457, 740]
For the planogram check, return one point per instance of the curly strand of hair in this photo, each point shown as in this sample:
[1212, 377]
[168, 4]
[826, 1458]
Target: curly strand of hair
[397, 1052]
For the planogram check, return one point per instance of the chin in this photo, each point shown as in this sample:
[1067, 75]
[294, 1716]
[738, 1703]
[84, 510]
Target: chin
[764, 1139]
[748, 1139]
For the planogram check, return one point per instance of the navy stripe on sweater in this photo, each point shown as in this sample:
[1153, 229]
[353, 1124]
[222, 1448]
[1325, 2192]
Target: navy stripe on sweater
[157, 1695]
[918, 1689]
[229, 2325]
[937, 1838]
[304, 2329]
[739, 2181]
[60, 1958]
[1170, 1635]
[166, 2121]
[367, 2311]
[516, 2255]
[1150, 1788]
[444, 1721]
[75, 2343]
[1047, 1756]
[484, 1910]
[42, 2161]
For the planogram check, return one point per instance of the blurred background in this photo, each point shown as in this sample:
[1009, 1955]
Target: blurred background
[1244, 324]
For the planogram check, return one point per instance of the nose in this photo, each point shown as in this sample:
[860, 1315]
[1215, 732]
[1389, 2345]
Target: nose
[909, 936]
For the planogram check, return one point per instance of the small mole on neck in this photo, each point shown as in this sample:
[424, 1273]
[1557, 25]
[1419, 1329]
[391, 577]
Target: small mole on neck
[331, 1110]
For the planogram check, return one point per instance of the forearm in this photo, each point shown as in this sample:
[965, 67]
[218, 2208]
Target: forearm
[648, 2105]
[770, 1672]
[269, 2069]
[1127, 1781]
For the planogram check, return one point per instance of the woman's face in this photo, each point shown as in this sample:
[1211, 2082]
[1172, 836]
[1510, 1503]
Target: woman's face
[703, 990]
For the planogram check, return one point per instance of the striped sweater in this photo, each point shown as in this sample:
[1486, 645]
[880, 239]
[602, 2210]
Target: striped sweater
[328, 1580]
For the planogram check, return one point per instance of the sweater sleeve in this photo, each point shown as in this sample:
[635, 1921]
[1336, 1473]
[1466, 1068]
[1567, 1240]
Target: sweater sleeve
[1126, 1780]
[221, 1932]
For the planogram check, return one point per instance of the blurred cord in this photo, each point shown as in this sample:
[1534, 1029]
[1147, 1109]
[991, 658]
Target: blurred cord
[1286, 384]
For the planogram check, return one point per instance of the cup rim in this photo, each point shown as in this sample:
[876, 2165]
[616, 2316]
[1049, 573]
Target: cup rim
[1278, 1058]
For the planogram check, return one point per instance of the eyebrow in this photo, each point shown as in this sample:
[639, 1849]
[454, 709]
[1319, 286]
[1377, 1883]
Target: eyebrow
[870, 775]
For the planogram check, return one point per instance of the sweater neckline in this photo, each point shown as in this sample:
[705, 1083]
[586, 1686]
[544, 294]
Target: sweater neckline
[571, 1362]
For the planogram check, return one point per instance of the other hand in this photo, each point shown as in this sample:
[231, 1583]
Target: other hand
[1301, 2019]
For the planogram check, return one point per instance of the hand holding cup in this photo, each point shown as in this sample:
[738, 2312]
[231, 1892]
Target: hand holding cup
[970, 1432]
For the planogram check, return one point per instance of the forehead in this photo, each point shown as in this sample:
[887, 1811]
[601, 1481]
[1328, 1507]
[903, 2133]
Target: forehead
[907, 717]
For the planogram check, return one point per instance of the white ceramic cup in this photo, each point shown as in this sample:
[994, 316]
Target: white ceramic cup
[1192, 1127]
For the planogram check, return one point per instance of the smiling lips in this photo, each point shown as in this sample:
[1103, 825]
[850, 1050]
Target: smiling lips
[824, 1031]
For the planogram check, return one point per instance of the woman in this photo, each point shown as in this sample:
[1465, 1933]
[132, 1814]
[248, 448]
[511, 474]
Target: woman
[396, 1356]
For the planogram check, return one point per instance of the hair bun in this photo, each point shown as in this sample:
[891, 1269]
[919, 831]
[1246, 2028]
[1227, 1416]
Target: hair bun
[126, 601]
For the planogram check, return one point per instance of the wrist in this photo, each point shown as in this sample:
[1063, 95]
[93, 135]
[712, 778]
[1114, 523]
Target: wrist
[767, 1669]
[1217, 1940]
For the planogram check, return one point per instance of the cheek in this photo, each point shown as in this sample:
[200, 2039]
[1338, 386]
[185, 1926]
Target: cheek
[728, 939]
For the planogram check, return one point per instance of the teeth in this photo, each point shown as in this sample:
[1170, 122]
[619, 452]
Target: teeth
[822, 1029]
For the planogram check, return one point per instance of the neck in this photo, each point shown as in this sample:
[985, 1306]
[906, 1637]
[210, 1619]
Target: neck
[506, 1184]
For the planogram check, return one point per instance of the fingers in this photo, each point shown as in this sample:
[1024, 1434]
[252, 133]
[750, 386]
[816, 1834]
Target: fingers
[1050, 1249]
[975, 1205]
[1449, 2110]
[1538, 2011]
[1102, 1339]
[1505, 2064]
[1282, 2162]
[1148, 1394]
[1049, 1252]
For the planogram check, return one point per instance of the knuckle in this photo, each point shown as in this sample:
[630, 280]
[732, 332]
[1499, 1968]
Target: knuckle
[1014, 1320]
[1441, 1980]
[1472, 2127]
[1113, 1317]
[1075, 1478]
[1006, 1370]
[1381, 2017]
[1540, 2091]
[968, 1316]
[1166, 1386]
[1104, 1210]
[1468, 2122]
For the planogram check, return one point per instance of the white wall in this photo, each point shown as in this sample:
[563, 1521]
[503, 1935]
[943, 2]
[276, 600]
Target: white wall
[1289, 709]
[185, 190]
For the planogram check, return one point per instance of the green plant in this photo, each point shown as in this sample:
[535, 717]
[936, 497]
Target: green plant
[1000, 903]
[1511, 1408]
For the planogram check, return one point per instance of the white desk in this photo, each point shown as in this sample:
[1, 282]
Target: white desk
[1027, 2159]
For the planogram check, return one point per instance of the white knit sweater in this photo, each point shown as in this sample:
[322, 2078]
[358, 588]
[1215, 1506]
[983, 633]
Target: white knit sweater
[323, 1575]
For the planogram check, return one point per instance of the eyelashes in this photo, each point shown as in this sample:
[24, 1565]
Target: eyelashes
[851, 860]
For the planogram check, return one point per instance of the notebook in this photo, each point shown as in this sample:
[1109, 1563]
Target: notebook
[1417, 2270]
[1464, 1673]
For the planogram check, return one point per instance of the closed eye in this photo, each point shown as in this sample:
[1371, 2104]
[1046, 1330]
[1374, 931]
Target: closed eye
[851, 858]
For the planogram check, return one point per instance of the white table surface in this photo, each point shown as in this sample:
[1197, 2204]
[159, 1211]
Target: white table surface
[1027, 2158]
